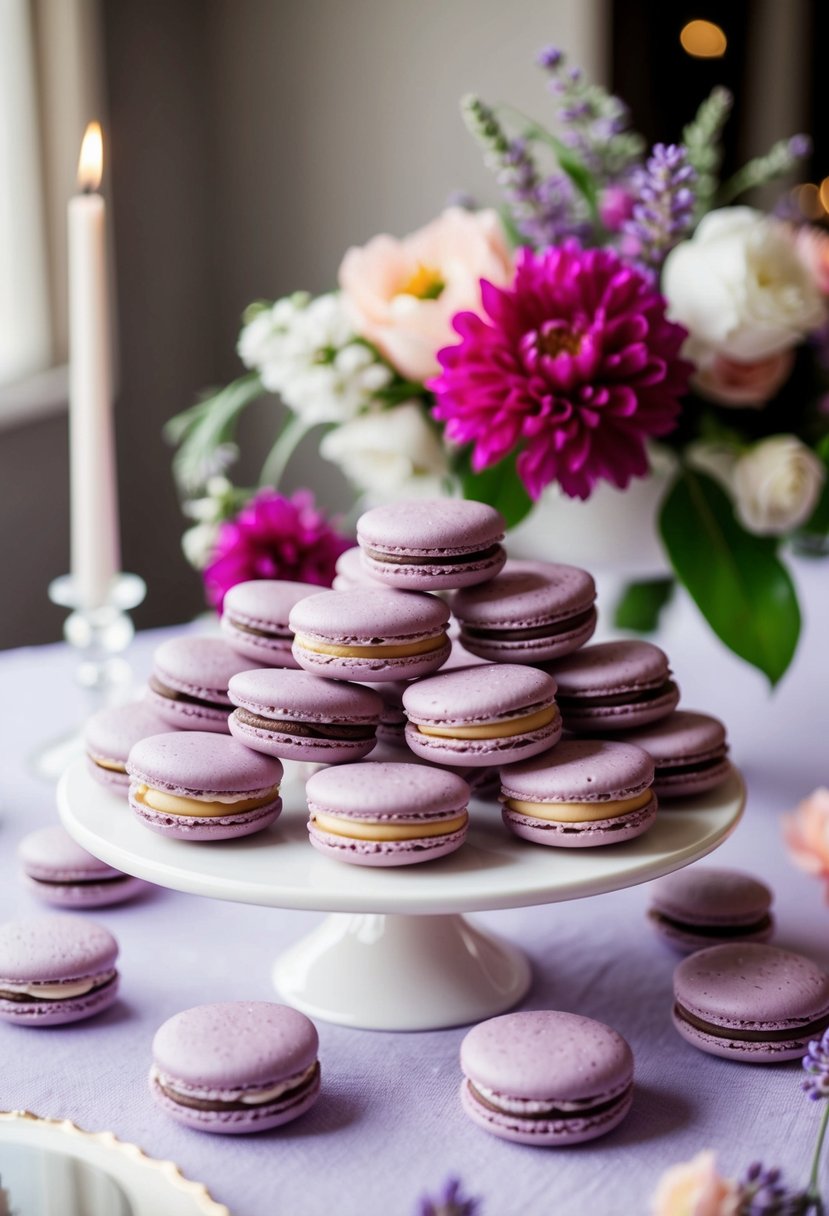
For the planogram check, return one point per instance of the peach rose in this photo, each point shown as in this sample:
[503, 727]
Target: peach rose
[806, 832]
[402, 294]
[812, 245]
[730, 382]
[694, 1188]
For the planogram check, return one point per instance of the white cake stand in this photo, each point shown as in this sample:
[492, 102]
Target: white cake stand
[398, 953]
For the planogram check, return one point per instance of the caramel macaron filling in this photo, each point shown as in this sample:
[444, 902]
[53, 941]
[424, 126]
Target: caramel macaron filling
[374, 650]
[579, 812]
[534, 718]
[386, 829]
[214, 806]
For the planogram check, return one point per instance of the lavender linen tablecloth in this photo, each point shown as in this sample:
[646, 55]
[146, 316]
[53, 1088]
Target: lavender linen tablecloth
[389, 1124]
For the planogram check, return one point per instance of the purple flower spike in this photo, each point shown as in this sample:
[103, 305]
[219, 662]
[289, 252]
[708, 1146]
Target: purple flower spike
[665, 207]
[816, 1064]
[449, 1202]
[550, 58]
[800, 146]
[763, 1193]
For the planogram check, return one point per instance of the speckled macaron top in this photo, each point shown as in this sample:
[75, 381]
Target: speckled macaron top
[303, 697]
[369, 615]
[51, 855]
[235, 1045]
[190, 763]
[611, 667]
[430, 526]
[582, 770]
[110, 733]
[381, 789]
[198, 666]
[481, 693]
[538, 1055]
[525, 594]
[47, 949]
[748, 986]
[710, 895]
[684, 735]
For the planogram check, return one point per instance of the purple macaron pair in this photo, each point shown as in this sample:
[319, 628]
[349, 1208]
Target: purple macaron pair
[188, 683]
[111, 733]
[60, 873]
[254, 619]
[614, 686]
[55, 970]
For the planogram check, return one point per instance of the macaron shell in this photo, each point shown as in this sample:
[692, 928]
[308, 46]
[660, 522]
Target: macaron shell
[60, 1013]
[532, 650]
[480, 693]
[263, 605]
[611, 667]
[52, 855]
[545, 1133]
[369, 614]
[374, 790]
[621, 717]
[711, 895]
[385, 853]
[753, 988]
[182, 715]
[683, 737]
[685, 941]
[483, 753]
[297, 747]
[686, 784]
[299, 696]
[110, 779]
[430, 527]
[89, 895]
[237, 1122]
[372, 670]
[51, 949]
[225, 827]
[270, 652]
[192, 764]
[110, 734]
[198, 666]
[582, 835]
[436, 576]
[580, 770]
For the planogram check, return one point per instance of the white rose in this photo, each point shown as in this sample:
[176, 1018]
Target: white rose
[777, 484]
[389, 454]
[739, 287]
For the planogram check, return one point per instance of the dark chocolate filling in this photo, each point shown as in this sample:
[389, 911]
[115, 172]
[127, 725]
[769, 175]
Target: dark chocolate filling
[282, 636]
[306, 730]
[695, 766]
[290, 1095]
[104, 880]
[807, 1030]
[712, 931]
[587, 1112]
[634, 697]
[172, 694]
[435, 559]
[549, 630]
[23, 998]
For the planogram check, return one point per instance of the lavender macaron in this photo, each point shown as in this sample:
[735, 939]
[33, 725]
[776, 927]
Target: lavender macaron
[432, 544]
[703, 906]
[236, 1066]
[188, 684]
[690, 752]
[59, 872]
[373, 634]
[529, 613]
[584, 792]
[255, 619]
[56, 969]
[351, 573]
[546, 1078]
[297, 716]
[488, 714]
[750, 1002]
[198, 786]
[110, 734]
[614, 686]
[386, 813]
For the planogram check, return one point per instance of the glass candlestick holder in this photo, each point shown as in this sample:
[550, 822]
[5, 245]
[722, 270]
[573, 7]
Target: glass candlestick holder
[99, 636]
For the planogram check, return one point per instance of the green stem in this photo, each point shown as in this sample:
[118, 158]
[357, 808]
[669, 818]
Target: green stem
[280, 454]
[813, 1193]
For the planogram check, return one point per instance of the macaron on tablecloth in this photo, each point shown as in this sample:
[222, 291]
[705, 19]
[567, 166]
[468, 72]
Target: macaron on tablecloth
[395, 1098]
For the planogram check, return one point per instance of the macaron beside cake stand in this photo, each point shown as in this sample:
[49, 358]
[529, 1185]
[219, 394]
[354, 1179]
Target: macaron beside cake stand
[397, 952]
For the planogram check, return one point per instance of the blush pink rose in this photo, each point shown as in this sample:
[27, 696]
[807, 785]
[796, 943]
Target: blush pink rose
[812, 245]
[402, 294]
[730, 382]
[806, 832]
[694, 1188]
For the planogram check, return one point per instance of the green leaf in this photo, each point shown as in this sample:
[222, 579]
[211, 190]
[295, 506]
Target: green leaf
[576, 170]
[641, 603]
[741, 587]
[201, 429]
[499, 485]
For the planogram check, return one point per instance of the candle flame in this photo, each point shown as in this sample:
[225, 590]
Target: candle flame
[91, 162]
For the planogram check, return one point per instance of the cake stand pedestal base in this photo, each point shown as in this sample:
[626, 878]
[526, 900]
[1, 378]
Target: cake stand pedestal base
[397, 972]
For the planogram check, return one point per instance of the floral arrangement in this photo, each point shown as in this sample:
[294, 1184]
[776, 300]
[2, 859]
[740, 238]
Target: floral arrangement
[618, 302]
[806, 833]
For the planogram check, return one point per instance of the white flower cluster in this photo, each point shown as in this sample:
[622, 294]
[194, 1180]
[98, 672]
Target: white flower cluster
[208, 512]
[390, 454]
[305, 349]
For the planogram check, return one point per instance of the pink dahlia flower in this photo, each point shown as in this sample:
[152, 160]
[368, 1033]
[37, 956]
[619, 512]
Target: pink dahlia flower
[274, 537]
[575, 365]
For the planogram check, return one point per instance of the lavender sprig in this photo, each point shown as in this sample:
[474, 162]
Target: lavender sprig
[664, 209]
[763, 1193]
[450, 1201]
[780, 159]
[596, 124]
[702, 138]
[816, 1064]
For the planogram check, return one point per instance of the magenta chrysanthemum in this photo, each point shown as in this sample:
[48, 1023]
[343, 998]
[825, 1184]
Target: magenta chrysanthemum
[574, 366]
[274, 537]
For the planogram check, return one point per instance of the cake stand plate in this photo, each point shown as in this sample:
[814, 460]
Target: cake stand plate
[398, 953]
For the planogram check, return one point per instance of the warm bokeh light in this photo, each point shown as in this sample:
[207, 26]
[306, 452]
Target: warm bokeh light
[808, 199]
[91, 162]
[703, 40]
[823, 192]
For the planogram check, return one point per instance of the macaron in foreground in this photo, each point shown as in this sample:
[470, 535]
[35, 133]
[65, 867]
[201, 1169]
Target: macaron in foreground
[55, 970]
[546, 1078]
[193, 785]
[752, 1003]
[60, 873]
[432, 544]
[254, 619]
[386, 813]
[236, 1066]
[703, 906]
[584, 792]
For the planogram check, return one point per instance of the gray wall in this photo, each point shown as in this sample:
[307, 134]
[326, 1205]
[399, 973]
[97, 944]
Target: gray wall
[252, 141]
